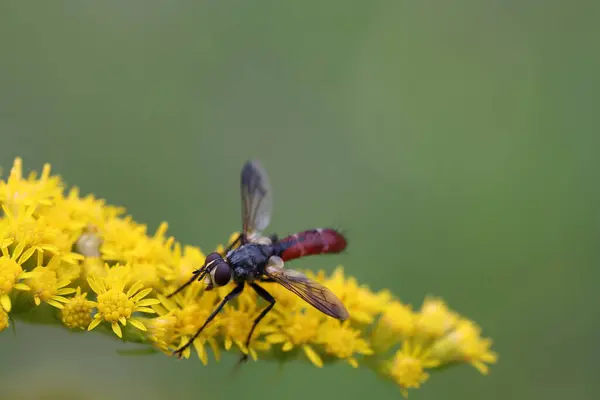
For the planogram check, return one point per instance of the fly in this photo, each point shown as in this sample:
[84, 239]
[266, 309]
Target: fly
[261, 259]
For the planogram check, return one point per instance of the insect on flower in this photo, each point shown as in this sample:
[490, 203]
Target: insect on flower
[261, 259]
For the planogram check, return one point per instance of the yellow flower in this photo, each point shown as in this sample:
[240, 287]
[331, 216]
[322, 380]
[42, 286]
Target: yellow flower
[84, 212]
[343, 341]
[434, 319]
[465, 344]
[11, 271]
[77, 311]
[45, 285]
[189, 309]
[20, 225]
[237, 320]
[161, 332]
[120, 238]
[297, 329]
[432, 337]
[155, 249]
[396, 324]
[32, 191]
[362, 304]
[184, 263]
[408, 367]
[117, 306]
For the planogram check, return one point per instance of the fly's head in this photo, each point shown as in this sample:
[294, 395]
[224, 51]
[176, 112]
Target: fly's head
[218, 271]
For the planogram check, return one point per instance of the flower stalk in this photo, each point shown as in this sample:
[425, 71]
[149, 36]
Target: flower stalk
[79, 263]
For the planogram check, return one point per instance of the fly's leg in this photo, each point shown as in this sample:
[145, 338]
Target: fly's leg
[198, 274]
[267, 296]
[234, 293]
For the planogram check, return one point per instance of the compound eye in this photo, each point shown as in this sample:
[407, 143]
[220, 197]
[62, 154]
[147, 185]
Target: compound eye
[221, 274]
[211, 258]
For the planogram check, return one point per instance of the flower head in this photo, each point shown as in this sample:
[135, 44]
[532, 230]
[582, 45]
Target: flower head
[181, 317]
[407, 368]
[237, 322]
[11, 271]
[362, 304]
[45, 286]
[115, 305]
[30, 191]
[343, 341]
[77, 311]
[298, 329]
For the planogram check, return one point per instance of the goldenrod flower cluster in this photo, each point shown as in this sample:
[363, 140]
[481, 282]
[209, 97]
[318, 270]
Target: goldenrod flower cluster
[79, 262]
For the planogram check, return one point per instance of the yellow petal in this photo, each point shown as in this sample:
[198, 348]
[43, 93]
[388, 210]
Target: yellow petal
[26, 255]
[312, 356]
[135, 288]
[147, 302]
[5, 302]
[123, 321]
[55, 304]
[37, 300]
[18, 250]
[4, 244]
[352, 361]
[141, 294]
[241, 346]
[228, 343]
[287, 346]
[215, 349]
[95, 322]
[199, 346]
[96, 287]
[276, 338]
[117, 329]
[168, 303]
[253, 354]
[60, 299]
[40, 257]
[64, 291]
[138, 324]
[187, 352]
[21, 286]
[145, 310]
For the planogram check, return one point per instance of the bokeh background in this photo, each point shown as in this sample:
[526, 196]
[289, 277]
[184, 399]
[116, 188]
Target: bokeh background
[455, 142]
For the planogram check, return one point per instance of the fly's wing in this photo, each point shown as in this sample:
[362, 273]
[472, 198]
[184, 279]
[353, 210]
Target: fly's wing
[257, 199]
[308, 290]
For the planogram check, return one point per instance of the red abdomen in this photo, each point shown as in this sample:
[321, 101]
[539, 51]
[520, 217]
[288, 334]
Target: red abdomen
[314, 241]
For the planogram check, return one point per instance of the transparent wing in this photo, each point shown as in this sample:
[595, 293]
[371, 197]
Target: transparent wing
[308, 290]
[257, 199]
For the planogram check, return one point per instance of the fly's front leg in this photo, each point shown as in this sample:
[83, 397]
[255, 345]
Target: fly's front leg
[234, 293]
[267, 296]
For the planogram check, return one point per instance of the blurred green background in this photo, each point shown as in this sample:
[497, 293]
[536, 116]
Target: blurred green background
[455, 142]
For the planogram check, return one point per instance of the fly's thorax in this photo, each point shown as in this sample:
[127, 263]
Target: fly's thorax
[248, 261]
